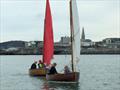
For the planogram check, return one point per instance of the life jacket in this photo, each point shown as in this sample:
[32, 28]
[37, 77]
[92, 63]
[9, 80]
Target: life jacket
[40, 65]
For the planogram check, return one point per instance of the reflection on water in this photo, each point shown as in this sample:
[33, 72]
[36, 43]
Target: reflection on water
[48, 85]
[58, 86]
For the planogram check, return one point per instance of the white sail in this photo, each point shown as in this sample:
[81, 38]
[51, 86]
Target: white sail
[75, 33]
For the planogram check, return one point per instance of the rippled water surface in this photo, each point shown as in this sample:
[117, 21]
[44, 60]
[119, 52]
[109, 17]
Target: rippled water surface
[97, 72]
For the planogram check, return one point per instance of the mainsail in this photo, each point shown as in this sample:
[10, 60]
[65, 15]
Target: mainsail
[75, 33]
[48, 48]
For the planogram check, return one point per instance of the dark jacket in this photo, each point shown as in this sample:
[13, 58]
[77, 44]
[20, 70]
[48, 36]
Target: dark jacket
[53, 70]
[33, 66]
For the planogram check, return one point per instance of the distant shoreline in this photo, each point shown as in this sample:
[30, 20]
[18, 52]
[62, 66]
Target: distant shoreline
[22, 48]
[70, 54]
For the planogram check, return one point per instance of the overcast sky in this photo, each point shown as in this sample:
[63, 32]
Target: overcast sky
[24, 19]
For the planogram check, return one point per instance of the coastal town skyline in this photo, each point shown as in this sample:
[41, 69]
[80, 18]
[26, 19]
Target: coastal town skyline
[24, 20]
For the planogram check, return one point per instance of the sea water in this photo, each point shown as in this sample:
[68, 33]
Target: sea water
[97, 72]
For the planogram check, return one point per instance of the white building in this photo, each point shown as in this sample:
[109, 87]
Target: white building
[86, 43]
[112, 42]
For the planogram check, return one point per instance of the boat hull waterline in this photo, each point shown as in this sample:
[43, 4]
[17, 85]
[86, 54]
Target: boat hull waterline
[70, 77]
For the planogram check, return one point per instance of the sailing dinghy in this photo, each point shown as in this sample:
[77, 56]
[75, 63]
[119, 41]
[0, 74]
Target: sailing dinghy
[37, 72]
[48, 47]
[75, 47]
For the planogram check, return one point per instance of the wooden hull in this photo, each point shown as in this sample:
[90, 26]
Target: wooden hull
[71, 77]
[37, 72]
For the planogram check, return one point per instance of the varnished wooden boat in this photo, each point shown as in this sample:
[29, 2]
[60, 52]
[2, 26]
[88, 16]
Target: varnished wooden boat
[75, 47]
[71, 77]
[37, 72]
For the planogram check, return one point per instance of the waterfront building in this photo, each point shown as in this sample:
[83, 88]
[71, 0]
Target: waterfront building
[65, 40]
[111, 42]
[85, 42]
[30, 44]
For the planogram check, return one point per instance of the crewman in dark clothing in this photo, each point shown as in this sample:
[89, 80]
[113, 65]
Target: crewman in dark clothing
[53, 69]
[33, 66]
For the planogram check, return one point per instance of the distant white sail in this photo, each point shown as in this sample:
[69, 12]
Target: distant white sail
[75, 32]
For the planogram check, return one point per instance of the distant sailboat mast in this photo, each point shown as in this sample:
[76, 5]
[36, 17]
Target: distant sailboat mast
[75, 33]
[48, 48]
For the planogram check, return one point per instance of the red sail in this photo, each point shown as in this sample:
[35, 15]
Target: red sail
[48, 48]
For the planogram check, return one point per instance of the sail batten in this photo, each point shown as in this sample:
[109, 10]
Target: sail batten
[48, 48]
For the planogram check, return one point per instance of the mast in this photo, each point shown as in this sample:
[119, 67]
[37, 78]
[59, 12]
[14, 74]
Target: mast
[71, 29]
